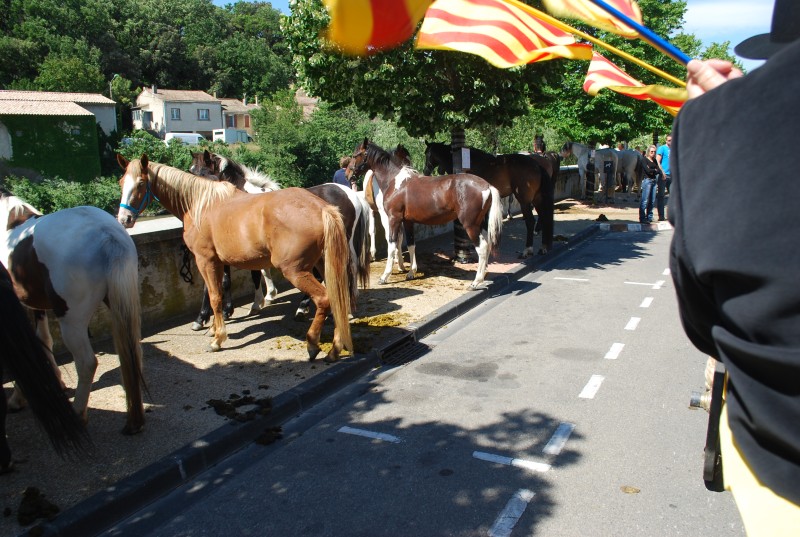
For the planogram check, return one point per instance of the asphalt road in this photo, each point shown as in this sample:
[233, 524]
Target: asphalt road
[557, 408]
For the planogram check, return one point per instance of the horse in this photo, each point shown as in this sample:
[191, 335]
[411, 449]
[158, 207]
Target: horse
[630, 163]
[289, 229]
[374, 197]
[601, 156]
[236, 174]
[69, 262]
[26, 358]
[410, 198]
[518, 174]
[354, 212]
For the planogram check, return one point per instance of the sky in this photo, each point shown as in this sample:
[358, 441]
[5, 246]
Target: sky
[710, 20]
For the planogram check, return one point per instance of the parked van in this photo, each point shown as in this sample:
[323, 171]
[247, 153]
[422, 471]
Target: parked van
[188, 138]
[232, 136]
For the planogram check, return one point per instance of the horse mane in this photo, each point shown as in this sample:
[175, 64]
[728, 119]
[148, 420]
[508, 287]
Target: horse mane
[260, 179]
[18, 210]
[192, 193]
[383, 158]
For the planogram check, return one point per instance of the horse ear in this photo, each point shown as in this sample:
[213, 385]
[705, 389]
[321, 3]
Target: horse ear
[122, 161]
[208, 158]
[144, 160]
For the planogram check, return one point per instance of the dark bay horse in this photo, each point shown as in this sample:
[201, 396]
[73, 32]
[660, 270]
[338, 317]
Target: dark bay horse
[70, 262]
[514, 173]
[26, 359]
[355, 213]
[410, 198]
[290, 229]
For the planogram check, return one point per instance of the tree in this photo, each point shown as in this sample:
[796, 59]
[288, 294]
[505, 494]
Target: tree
[425, 92]
[69, 73]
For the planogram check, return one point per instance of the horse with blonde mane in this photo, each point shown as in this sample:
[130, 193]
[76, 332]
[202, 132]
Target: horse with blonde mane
[290, 229]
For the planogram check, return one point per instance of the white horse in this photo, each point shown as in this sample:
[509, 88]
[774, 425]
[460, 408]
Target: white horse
[70, 262]
[601, 156]
[630, 164]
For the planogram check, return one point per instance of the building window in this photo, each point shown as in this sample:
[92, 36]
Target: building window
[175, 113]
[247, 122]
[230, 121]
[202, 114]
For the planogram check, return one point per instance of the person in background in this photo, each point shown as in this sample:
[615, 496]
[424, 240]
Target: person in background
[736, 278]
[662, 154]
[650, 175]
[339, 176]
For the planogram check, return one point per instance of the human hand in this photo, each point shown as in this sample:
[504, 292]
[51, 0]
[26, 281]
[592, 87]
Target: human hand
[706, 75]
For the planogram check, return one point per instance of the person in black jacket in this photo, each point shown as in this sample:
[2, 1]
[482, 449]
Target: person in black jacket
[733, 264]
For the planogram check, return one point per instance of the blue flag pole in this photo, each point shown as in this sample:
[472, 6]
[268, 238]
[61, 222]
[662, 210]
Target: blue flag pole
[646, 34]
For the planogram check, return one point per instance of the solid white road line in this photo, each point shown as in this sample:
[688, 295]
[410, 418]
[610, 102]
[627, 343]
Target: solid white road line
[590, 390]
[613, 352]
[633, 323]
[369, 434]
[559, 439]
[646, 302]
[508, 461]
[511, 513]
[572, 279]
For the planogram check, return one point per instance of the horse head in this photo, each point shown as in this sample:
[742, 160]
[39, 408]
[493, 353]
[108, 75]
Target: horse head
[437, 156]
[135, 189]
[205, 164]
[402, 155]
[359, 163]
[566, 150]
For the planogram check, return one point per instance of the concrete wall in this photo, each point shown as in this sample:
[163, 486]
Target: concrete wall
[166, 296]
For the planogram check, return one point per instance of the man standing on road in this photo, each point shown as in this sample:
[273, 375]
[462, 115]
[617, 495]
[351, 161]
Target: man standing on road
[662, 156]
[734, 270]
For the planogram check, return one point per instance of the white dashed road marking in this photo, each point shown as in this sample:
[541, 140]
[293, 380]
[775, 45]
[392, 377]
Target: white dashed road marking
[509, 461]
[559, 439]
[572, 279]
[369, 434]
[510, 515]
[633, 323]
[613, 352]
[590, 390]
[646, 302]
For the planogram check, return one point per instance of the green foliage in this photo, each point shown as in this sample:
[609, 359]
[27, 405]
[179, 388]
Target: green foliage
[140, 143]
[55, 194]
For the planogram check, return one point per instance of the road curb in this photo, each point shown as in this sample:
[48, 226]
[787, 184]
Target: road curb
[129, 495]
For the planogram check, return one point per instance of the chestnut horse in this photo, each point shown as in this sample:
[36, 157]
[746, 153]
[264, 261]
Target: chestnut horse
[27, 360]
[410, 198]
[515, 173]
[71, 261]
[290, 229]
[353, 208]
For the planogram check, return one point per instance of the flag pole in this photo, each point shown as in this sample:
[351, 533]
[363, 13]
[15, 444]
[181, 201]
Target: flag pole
[614, 50]
[645, 33]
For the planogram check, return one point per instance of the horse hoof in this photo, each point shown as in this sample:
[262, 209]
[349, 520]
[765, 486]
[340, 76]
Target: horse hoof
[313, 353]
[130, 430]
[542, 251]
[301, 315]
[196, 326]
[213, 347]
[410, 276]
[330, 359]
[382, 281]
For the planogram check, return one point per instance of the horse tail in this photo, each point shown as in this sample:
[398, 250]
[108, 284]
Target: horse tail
[337, 253]
[495, 227]
[126, 328]
[361, 243]
[30, 366]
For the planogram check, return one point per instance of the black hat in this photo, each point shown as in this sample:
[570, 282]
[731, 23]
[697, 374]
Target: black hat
[785, 29]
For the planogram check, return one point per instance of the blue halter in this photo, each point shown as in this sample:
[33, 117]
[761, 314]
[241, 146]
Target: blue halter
[148, 195]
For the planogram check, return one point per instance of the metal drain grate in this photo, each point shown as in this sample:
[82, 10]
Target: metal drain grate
[404, 353]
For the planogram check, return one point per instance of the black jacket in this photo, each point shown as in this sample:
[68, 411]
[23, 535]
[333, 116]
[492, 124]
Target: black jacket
[735, 260]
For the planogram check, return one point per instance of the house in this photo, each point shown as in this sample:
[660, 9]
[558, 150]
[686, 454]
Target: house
[165, 110]
[52, 133]
[236, 114]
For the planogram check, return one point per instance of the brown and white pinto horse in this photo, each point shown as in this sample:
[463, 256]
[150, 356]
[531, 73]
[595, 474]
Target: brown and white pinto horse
[513, 173]
[27, 361]
[69, 262]
[410, 198]
[290, 229]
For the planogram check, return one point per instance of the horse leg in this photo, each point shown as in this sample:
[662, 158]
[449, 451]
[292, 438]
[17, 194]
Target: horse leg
[76, 339]
[408, 227]
[304, 308]
[530, 224]
[205, 311]
[212, 273]
[372, 250]
[392, 236]
[227, 305]
[258, 294]
[398, 251]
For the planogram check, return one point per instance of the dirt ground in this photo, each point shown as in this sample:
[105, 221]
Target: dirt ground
[264, 356]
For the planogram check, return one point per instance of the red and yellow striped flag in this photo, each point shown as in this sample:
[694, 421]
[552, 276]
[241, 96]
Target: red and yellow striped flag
[506, 33]
[603, 74]
[362, 27]
[590, 13]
